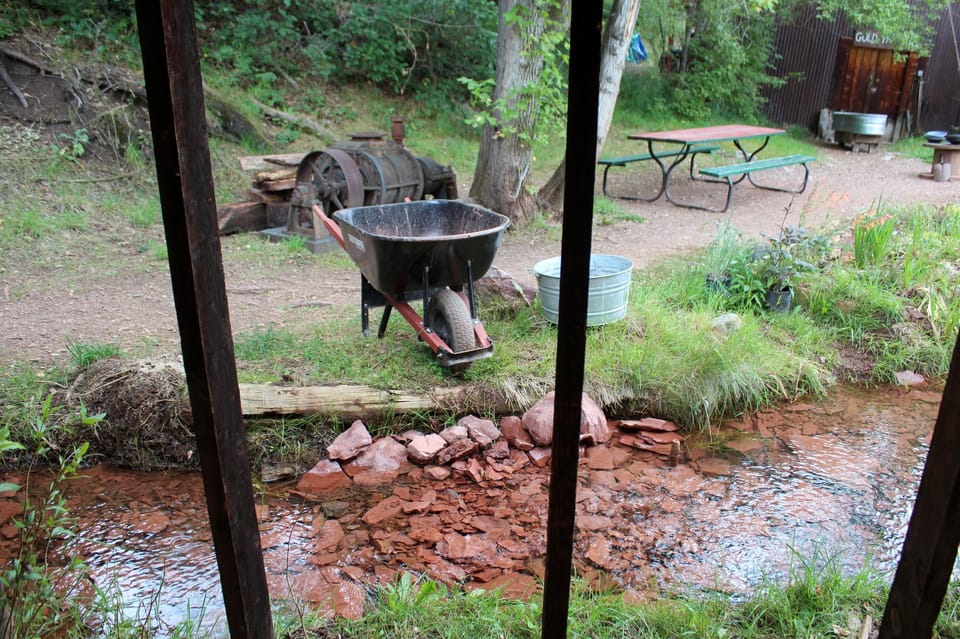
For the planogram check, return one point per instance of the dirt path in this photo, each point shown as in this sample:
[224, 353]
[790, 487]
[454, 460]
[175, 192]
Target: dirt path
[130, 302]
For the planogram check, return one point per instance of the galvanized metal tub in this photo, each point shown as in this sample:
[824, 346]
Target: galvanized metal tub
[859, 123]
[609, 288]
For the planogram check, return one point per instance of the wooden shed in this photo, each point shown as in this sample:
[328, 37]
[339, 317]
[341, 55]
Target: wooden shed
[834, 65]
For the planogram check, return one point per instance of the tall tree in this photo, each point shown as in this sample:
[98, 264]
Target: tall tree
[617, 33]
[506, 155]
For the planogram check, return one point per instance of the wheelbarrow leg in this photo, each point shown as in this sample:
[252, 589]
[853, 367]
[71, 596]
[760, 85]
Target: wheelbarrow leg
[383, 321]
[470, 301]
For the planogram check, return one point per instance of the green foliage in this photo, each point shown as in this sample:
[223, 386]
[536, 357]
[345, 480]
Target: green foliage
[907, 26]
[392, 45]
[729, 59]
[83, 355]
[42, 587]
[107, 25]
[816, 599]
[533, 111]
[73, 146]
[871, 237]
[13, 19]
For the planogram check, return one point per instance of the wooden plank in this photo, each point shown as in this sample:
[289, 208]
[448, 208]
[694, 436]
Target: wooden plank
[171, 67]
[241, 216]
[352, 401]
[269, 162]
[275, 185]
[933, 535]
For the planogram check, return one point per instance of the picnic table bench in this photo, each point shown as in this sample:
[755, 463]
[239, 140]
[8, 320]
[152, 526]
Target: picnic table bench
[682, 142]
[746, 169]
[623, 161]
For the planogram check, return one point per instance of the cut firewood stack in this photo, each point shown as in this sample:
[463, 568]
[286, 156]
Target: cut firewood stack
[268, 197]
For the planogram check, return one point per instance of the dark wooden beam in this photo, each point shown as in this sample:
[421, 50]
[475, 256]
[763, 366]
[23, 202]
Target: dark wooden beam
[930, 546]
[175, 93]
[581, 157]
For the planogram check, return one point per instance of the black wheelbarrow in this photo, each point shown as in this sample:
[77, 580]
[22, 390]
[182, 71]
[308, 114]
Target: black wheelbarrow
[431, 250]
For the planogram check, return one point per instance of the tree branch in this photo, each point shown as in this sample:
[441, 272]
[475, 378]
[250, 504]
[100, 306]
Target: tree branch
[7, 80]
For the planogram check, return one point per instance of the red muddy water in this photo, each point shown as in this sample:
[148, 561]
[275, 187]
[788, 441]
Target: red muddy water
[829, 479]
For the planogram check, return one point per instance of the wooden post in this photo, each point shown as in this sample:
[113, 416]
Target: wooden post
[930, 546]
[581, 157]
[175, 94]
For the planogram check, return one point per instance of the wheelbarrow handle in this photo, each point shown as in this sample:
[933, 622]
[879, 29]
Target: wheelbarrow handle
[332, 227]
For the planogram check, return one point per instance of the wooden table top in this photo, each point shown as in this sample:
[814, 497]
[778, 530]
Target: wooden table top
[942, 146]
[721, 133]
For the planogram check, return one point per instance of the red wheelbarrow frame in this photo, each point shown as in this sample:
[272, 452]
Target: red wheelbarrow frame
[446, 356]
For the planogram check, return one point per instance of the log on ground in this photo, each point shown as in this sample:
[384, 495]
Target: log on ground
[364, 402]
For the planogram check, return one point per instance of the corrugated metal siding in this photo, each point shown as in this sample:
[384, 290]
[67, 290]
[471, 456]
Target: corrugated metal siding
[809, 57]
[807, 48]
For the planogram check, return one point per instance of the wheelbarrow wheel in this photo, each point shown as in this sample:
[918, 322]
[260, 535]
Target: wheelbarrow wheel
[450, 319]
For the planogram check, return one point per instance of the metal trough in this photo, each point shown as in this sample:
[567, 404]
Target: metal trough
[859, 129]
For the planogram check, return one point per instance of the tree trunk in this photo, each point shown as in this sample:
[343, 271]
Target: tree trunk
[504, 158]
[616, 42]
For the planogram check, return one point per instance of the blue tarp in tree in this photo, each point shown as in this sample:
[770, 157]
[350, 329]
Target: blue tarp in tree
[637, 52]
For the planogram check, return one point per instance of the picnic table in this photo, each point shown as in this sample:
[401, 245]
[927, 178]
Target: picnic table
[677, 145]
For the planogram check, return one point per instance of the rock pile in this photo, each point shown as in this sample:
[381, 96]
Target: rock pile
[468, 505]
[354, 458]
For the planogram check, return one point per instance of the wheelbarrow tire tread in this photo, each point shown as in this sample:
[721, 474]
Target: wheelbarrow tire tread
[450, 319]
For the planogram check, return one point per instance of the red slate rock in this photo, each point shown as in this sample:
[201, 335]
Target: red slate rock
[647, 423]
[384, 455]
[499, 451]
[348, 600]
[599, 551]
[600, 458]
[426, 535]
[350, 442]
[376, 479]
[438, 473]
[389, 507]
[660, 438]
[538, 421]
[714, 466]
[482, 431]
[9, 509]
[327, 476]
[540, 456]
[331, 534]
[745, 445]
[515, 434]
[593, 522]
[457, 546]
[514, 585]
[474, 470]
[452, 434]
[457, 450]
[424, 448]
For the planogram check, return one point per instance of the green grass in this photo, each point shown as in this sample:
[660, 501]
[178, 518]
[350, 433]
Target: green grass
[814, 600]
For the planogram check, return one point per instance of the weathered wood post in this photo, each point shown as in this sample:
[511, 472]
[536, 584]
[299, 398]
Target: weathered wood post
[930, 547]
[583, 98]
[175, 94]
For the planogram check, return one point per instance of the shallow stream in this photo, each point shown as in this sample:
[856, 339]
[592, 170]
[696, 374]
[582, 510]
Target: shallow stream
[833, 480]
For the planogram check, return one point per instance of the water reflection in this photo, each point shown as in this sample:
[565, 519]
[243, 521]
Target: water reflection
[832, 479]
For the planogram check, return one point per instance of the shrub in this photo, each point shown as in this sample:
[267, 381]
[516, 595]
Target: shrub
[389, 44]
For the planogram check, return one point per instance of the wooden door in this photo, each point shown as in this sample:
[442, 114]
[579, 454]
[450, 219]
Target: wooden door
[873, 79]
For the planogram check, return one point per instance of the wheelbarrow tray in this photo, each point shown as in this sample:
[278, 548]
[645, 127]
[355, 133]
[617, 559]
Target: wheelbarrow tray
[393, 244]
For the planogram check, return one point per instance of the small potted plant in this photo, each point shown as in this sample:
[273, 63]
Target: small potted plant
[777, 268]
[953, 137]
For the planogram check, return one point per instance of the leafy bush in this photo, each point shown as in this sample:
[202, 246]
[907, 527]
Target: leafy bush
[389, 44]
